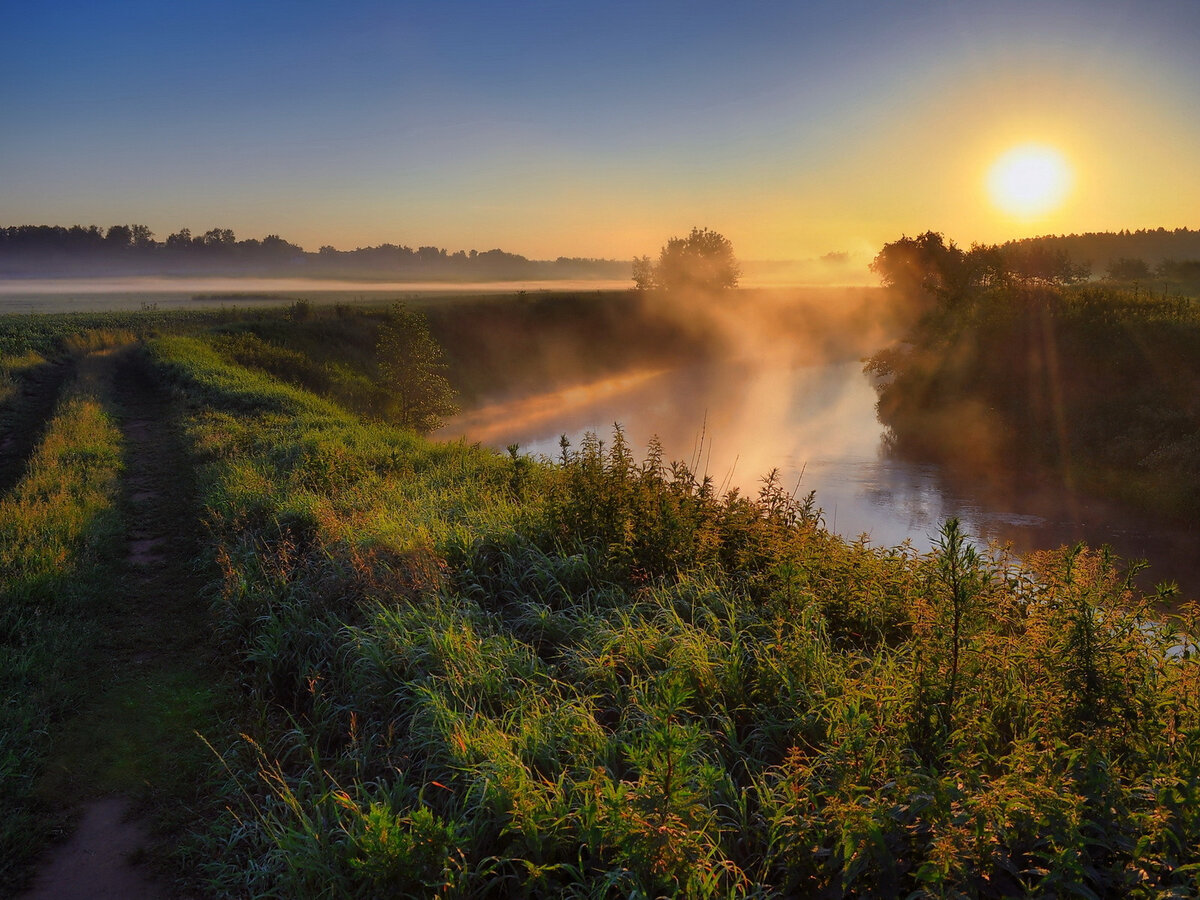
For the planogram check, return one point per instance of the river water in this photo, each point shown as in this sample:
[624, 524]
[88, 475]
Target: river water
[817, 425]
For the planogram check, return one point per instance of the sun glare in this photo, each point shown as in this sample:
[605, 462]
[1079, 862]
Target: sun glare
[1029, 180]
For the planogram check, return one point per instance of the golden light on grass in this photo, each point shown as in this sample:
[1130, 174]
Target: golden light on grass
[1029, 180]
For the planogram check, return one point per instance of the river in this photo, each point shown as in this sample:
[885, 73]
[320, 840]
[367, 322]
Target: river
[736, 421]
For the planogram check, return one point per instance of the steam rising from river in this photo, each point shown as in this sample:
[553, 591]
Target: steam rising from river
[767, 379]
[742, 384]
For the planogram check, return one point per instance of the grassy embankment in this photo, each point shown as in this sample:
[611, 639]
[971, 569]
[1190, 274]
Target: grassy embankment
[1097, 386]
[464, 674]
[476, 675]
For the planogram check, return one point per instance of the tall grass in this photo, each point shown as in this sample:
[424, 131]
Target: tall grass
[52, 334]
[12, 368]
[467, 675]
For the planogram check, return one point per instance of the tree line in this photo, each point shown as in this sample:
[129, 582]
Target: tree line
[1015, 371]
[133, 248]
[126, 239]
[929, 265]
[1102, 248]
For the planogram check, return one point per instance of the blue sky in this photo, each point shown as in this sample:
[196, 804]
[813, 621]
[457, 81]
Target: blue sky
[593, 128]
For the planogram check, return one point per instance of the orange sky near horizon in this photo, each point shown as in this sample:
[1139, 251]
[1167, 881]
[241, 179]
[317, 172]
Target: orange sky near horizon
[794, 129]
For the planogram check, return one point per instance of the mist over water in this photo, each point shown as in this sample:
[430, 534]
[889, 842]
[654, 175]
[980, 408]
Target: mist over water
[777, 397]
[735, 421]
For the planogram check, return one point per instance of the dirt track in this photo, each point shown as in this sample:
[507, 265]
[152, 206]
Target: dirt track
[157, 624]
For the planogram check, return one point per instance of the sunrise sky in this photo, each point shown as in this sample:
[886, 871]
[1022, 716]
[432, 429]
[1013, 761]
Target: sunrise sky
[596, 129]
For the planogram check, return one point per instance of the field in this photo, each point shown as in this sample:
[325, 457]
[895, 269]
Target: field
[327, 657]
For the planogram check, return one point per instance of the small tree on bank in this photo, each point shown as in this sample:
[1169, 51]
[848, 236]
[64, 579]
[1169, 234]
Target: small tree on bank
[410, 368]
[702, 261]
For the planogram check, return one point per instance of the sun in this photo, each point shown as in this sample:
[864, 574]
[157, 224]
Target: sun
[1029, 180]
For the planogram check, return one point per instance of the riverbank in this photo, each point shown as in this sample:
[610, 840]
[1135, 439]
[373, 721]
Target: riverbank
[1093, 388]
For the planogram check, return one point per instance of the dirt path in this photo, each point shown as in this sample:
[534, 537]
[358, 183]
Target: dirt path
[97, 862]
[133, 756]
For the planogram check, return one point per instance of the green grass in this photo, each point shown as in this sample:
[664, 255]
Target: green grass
[52, 333]
[474, 675]
[97, 696]
[12, 369]
[455, 673]
[136, 736]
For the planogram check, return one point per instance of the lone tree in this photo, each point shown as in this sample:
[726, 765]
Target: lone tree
[703, 261]
[410, 367]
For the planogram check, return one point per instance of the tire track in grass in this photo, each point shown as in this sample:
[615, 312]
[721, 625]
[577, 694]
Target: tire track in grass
[133, 755]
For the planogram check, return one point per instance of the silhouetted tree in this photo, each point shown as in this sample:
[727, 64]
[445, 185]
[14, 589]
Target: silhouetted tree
[1186, 271]
[1125, 268]
[926, 264]
[1150, 244]
[984, 265]
[219, 238]
[119, 236]
[1043, 264]
[275, 247]
[929, 265]
[142, 236]
[643, 273]
[703, 261]
[180, 240]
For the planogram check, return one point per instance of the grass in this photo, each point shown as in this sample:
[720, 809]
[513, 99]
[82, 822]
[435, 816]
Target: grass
[476, 675]
[98, 699]
[133, 737]
[12, 369]
[448, 672]
[51, 333]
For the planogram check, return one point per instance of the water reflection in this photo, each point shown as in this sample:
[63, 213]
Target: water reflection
[736, 421]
